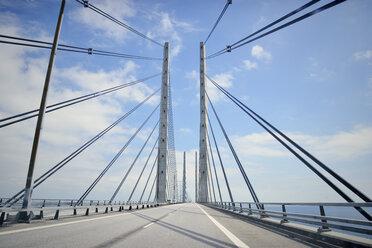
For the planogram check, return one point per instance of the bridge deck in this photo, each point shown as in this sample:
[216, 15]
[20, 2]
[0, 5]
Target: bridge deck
[181, 225]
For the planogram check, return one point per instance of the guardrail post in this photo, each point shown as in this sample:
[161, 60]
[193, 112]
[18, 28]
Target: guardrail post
[2, 218]
[72, 201]
[87, 212]
[241, 208]
[323, 228]
[284, 220]
[59, 203]
[250, 209]
[75, 211]
[43, 204]
[56, 215]
[106, 211]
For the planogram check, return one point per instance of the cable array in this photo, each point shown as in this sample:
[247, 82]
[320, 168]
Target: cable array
[239, 43]
[86, 4]
[133, 163]
[266, 125]
[148, 179]
[71, 102]
[249, 185]
[152, 188]
[143, 169]
[214, 168]
[220, 159]
[95, 182]
[68, 48]
[67, 159]
[228, 2]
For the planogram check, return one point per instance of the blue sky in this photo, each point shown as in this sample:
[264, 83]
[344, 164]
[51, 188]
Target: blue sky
[312, 80]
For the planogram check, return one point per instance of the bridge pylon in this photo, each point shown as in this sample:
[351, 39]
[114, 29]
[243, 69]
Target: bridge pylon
[203, 190]
[161, 181]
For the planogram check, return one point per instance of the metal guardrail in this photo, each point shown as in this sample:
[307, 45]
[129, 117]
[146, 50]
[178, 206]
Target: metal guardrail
[59, 205]
[320, 221]
[41, 202]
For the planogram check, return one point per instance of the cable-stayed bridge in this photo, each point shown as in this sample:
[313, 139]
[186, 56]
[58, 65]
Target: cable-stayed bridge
[163, 214]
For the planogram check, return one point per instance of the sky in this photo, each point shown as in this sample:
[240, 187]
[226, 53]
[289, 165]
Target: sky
[312, 80]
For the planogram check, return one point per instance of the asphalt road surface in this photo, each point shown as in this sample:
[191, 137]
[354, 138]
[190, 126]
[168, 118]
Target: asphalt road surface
[180, 225]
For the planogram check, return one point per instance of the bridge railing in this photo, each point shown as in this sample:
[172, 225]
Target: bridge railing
[39, 203]
[55, 208]
[309, 214]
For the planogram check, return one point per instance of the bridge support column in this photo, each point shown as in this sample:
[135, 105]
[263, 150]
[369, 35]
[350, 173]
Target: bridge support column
[161, 181]
[203, 195]
[24, 215]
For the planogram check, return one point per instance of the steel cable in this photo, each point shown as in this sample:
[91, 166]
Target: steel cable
[228, 2]
[312, 168]
[214, 167]
[311, 13]
[62, 163]
[104, 14]
[148, 179]
[221, 163]
[74, 101]
[133, 163]
[69, 48]
[118, 154]
[143, 169]
[249, 185]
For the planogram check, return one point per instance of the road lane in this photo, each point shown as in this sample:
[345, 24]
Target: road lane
[250, 234]
[179, 225]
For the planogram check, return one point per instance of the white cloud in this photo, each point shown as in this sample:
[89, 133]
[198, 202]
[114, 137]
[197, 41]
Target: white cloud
[193, 75]
[224, 80]
[121, 10]
[185, 130]
[259, 53]
[363, 55]
[169, 29]
[249, 65]
[63, 130]
[342, 146]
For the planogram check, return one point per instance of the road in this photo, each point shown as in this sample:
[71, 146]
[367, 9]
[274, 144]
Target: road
[179, 225]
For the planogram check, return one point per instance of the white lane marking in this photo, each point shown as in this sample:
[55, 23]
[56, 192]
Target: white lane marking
[231, 236]
[152, 223]
[59, 224]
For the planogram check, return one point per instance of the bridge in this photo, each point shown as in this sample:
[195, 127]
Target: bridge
[159, 210]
